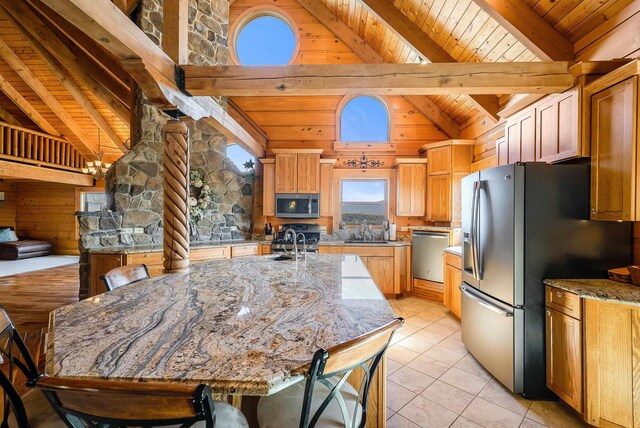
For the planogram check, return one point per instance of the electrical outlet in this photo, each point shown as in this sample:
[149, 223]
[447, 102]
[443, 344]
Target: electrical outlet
[138, 230]
[127, 230]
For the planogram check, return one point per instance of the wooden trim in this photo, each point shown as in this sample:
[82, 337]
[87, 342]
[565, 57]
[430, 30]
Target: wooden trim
[583, 68]
[529, 28]
[401, 161]
[307, 151]
[267, 160]
[616, 76]
[15, 170]
[254, 12]
[518, 102]
[379, 79]
[340, 146]
[456, 142]
[328, 161]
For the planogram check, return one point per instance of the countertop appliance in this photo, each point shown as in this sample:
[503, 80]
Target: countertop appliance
[522, 223]
[426, 254]
[297, 205]
[311, 235]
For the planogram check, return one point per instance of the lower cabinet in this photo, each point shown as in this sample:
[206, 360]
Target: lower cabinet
[381, 270]
[452, 298]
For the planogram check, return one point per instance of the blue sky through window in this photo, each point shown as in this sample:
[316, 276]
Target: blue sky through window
[265, 40]
[363, 190]
[239, 156]
[364, 119]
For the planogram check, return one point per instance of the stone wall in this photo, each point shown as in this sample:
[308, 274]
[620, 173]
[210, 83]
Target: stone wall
[134, 182]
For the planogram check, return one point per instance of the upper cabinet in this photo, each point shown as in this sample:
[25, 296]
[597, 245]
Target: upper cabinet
[326, 187]
[297, 171]
[447, 162]
[614, 139]
[548, 131]
[412, 182]
[268, 187]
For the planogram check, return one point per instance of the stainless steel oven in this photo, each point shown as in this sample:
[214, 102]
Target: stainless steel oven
[297, 205]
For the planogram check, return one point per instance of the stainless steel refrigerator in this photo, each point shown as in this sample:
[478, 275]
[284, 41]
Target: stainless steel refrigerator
[522, 223]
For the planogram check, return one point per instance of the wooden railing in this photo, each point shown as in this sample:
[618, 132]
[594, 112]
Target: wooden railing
[37, 148]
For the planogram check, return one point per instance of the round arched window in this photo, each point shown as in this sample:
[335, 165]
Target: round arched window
[265, 39]
[364, 119]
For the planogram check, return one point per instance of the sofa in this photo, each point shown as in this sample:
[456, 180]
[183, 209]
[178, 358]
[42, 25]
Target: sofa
[23, 248]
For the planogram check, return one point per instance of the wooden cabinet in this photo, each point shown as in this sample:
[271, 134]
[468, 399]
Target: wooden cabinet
[520, 134]
[412, 181]
[381, 270]
[502, 153]
[558, 127]
[326, 187]
[452, 298]
[447, 163]
[614, 139]
[268, 187]
[297, 172]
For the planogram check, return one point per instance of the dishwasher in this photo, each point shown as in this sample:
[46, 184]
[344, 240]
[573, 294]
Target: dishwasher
[427, 254]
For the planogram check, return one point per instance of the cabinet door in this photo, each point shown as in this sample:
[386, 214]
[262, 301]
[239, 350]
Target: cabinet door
[452, 295]
[564, 357]
[547, 135]
[613, 140]
[412, 180]
[512, 136]
[269, 190]
[502, 151]
[439, 197]
[308, 173]
[528, 137]
[286, 173]
[439, 160]
[326, 190]
[381, 270]
[558, 127]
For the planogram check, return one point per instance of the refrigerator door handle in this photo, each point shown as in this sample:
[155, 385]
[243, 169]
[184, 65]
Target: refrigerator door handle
[495, 308]
[476, 240]
[474, 229]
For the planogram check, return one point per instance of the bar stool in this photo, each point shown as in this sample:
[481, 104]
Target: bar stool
[124, 275]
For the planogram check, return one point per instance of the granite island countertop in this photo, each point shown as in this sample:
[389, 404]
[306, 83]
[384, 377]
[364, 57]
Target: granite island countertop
[599, 289]
[157, 248]
[456, 250]
[246, 325]
[364, 244]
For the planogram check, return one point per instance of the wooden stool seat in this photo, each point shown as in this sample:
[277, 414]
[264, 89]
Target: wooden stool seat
[124, 275]
[39, 412]
[284, 408]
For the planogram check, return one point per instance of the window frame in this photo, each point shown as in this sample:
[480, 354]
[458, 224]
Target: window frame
[387, 196]
[377, 146]
[256, 12]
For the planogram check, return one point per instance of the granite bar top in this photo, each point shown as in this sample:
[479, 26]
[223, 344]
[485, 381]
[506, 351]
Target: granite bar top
[156, 248]
[457, 250]
[247, 325]
[599, 289]
[364, 244]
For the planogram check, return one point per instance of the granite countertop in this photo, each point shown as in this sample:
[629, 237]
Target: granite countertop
[457, 250]
[156, 248]
[434, 228]
[247, 325]
[599, 289]
[365, 244]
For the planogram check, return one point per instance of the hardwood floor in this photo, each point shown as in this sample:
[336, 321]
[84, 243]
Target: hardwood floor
[29, 297]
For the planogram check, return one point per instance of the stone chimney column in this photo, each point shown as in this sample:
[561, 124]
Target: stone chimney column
[176, 196]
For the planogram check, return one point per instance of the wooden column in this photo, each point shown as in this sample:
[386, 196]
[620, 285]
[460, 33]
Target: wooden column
[176, 196]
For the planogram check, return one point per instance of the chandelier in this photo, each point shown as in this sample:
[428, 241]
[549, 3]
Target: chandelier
[97, 168]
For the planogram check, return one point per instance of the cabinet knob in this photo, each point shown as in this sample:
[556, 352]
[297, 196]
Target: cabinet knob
[559, 294]
[593, 210]
[548, 313]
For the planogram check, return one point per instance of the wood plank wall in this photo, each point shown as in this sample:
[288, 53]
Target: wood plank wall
[8, 211]
[47, 211]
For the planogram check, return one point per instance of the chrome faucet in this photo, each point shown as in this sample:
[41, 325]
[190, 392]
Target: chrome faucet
[295, 243]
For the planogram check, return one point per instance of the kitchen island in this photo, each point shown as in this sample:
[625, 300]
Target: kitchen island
[246, 326]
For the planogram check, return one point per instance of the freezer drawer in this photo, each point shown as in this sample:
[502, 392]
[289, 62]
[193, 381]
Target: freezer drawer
[494, 334]
[427, 255]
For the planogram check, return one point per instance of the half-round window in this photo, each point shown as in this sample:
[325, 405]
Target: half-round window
[265, 39]
[364, 119]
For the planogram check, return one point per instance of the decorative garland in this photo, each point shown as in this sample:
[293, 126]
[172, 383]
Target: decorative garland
[201, 196]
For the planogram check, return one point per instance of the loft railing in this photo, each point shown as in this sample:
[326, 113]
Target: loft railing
[37, 148]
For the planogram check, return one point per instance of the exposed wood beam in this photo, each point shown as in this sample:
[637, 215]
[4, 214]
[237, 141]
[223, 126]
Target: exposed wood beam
[103, 22]
[81, 67]
[529, 28]
[84, 146]
[380, 79]
[412, 35]
[14, 95]
[7, 117]
[246, 122]
[126, 6]
[72, 87]
[175, 30]
[14, 170]
[367, 54]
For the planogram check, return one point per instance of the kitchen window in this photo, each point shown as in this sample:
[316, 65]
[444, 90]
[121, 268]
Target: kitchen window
[364, 200]
[364, 119]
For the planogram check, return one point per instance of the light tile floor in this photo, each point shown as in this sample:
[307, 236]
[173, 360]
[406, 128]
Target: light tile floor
[434, 382]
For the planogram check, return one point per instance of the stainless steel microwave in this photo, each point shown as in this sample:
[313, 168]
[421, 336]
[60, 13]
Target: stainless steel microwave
[297, 205]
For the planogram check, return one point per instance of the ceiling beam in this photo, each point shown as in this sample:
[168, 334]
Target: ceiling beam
[380, 79]
[80, 66]
[246, 122]
[7, 117]
[72, 87]
[367, 54]
[126, 6]
[83, 142]
[529, 28]
[14, 95]
[175, 30]
[17, 171]
[415, 38]
[106, 24]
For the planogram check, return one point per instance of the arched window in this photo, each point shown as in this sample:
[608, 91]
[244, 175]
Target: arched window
[364, 119]
[263, 37]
